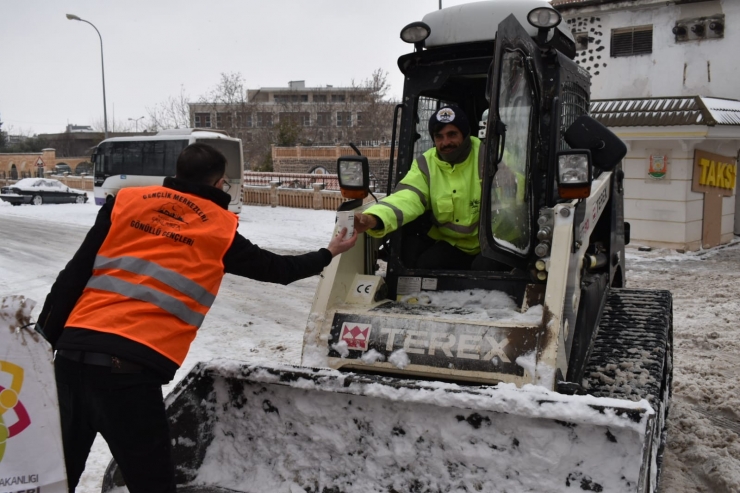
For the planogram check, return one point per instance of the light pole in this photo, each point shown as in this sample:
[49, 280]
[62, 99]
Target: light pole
[73, 17]
[136, 122]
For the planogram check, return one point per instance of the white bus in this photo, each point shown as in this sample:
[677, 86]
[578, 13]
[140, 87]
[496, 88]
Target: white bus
[121, 162]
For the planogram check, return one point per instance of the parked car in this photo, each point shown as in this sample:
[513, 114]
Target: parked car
[60, 169]
[39, 191]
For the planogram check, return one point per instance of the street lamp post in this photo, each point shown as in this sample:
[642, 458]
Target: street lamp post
[136, 122]
[73, 17]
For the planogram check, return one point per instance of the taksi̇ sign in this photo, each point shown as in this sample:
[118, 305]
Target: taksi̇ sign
[714, 173]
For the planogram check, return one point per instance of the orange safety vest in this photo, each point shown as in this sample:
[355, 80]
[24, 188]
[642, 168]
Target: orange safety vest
[158, 270]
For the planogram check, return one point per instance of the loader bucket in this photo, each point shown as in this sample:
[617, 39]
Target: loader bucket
[245, 428]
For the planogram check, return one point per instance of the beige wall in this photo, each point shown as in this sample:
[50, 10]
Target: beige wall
[666, 213]
[26, 162]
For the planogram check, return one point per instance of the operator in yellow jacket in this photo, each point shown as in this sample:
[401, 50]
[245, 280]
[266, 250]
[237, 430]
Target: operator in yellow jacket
[444, 180]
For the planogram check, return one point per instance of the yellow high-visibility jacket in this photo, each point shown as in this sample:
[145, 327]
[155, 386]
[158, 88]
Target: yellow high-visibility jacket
[452, 193]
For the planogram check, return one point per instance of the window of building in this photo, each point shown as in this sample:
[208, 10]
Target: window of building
[202, 120]
[244, 119]
[264, 119]
[304, 98]
[631, 41]
[296, 117]
[323, 119]
[581, 41]
[223, 120]
[344, 119]
[319, 98]
[360, 118]
[337, 98]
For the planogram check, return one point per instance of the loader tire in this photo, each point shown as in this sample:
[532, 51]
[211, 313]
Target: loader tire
[632, 358]
[191, 430]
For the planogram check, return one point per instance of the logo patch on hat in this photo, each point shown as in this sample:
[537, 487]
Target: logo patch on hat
[446, 115]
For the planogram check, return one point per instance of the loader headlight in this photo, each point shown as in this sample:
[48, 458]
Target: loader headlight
[544, 17]
[574, 173]
[416, 32]
[354, 176]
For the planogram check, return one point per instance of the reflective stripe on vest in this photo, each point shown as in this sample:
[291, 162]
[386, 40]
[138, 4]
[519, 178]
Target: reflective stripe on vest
[419, 193]
[465, 230]
[159, 269]
[165, 276]
[151, 295]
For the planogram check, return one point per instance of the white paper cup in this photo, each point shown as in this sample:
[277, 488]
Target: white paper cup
[345, 219]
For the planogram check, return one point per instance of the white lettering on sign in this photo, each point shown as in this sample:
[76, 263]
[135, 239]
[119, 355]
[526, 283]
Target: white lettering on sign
[440, 340]
[497, 349]
[392, 333]
[465, 346]
[415, 342]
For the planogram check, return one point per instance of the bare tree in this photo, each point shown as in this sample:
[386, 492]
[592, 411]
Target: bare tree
[3, 137]
[114, 125]
[173, 112]
[374, 113]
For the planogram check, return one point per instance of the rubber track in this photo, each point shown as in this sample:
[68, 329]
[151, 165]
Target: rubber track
[629, 353]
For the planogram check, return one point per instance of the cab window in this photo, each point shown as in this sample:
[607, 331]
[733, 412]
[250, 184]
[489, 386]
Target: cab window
[510, 218]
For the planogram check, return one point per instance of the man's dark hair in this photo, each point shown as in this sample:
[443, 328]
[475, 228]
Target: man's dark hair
[201, 163]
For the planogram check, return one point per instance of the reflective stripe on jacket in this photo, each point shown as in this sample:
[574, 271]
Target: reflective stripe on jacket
[452, 193]
[158, 270]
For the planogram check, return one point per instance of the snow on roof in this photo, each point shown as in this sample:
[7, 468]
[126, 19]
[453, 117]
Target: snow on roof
[478, 21]
[723, 111]
[670, 111]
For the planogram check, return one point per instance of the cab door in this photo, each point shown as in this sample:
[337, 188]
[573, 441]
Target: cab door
[507, 229]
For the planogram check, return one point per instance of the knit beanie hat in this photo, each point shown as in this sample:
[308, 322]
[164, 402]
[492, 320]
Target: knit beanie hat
[451, 114]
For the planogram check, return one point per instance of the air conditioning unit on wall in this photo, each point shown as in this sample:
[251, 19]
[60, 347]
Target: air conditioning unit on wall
[700, 28]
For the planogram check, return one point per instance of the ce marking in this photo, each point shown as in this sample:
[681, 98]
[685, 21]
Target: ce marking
[364, 288]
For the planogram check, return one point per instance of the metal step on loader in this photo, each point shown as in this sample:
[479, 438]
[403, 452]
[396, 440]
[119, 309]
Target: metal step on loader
[548, 375]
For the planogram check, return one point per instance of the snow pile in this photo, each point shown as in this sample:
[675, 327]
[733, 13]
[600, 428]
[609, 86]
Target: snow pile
[327, 429]
[473, 304]
[399, 359]
[258, 322]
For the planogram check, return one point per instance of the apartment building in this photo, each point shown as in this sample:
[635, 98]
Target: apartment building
[664, 79]
[325, 115]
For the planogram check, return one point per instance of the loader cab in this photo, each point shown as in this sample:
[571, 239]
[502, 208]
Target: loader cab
[531, 90]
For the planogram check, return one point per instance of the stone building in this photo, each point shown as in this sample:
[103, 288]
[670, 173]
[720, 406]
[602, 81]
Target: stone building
[307, 115]
[323, 159]
[15, 166]
[664, 80]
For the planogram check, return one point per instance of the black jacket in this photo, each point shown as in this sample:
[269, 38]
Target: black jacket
[242, 258]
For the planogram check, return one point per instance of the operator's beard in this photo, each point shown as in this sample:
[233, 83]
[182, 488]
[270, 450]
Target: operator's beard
[458, 155]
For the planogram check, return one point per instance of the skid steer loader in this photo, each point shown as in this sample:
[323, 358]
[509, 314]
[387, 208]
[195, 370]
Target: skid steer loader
[545, 375]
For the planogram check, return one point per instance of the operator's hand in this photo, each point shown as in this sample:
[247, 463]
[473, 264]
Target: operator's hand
[363, 222]
[339, 245]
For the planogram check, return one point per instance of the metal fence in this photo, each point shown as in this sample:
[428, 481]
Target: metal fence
[275, 195]
[292, 180]
[72, 181]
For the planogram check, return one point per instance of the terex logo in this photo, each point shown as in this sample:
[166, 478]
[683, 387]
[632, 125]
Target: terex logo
[9, 401]
[355, 335]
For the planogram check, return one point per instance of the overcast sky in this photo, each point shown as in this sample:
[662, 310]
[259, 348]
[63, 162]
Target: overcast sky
[50, 67]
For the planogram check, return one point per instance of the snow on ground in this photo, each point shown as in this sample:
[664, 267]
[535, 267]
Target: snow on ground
[255, 322]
